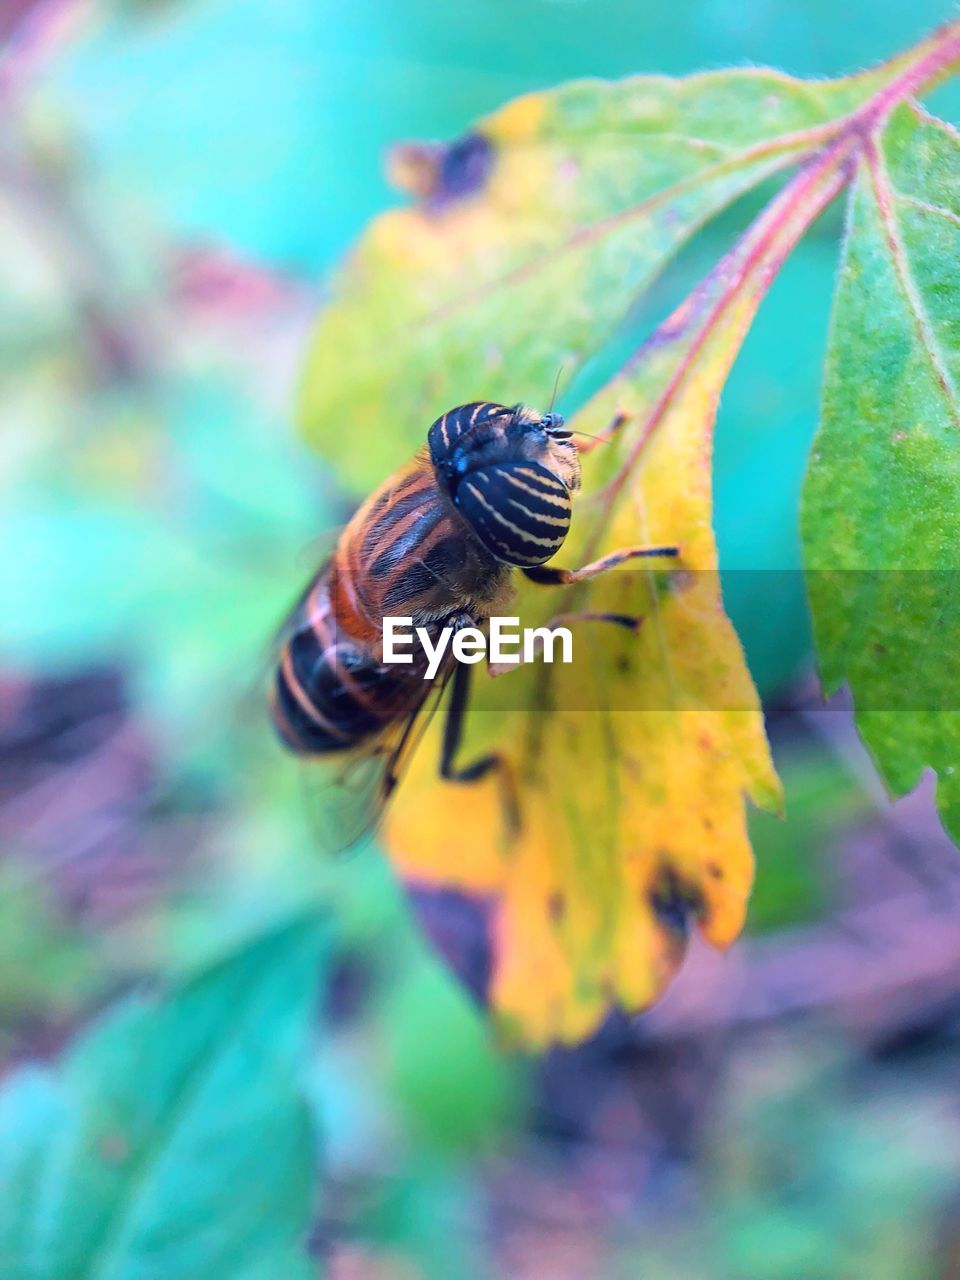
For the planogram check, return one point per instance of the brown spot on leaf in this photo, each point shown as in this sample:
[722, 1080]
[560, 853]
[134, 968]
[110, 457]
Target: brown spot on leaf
[412, 167]
[674, 900]
[556, 907]
[439, 174]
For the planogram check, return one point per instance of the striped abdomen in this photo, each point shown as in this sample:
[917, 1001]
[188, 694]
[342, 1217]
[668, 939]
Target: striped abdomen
[406, 553]
[331, 693]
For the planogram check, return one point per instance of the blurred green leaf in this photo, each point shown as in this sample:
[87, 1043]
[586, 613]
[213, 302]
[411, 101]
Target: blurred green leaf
[48, 964]
[175, 1140]
[791, 885]
[881, 518]
[458, 1092]
[418, 1217]
[814, 1180]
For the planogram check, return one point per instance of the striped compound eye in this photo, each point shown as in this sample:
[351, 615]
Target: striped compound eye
[448, 430]
[520, 511]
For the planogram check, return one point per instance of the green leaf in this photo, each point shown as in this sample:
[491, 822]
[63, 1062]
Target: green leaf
[527, 250]
[881, 515]
[463, 1098]
[174, 1141]
[792, 851]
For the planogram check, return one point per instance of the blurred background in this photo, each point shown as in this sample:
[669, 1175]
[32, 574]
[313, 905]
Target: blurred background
[176, 179]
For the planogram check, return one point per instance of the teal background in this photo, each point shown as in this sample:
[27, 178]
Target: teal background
[265, 127]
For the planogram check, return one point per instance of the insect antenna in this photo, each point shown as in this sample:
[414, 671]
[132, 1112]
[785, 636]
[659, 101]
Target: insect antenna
[604, 438]
[556, 384]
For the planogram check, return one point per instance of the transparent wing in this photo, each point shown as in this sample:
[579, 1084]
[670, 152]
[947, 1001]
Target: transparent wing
[349, 794]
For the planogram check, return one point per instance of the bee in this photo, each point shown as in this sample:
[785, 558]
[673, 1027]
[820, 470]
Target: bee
[440, 540]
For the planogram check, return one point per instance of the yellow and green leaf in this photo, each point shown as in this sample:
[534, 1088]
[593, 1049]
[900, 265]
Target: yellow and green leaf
[534, 235]
[635, 762]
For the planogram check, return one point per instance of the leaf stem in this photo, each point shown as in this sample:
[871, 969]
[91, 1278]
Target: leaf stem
[750, 266]
[924, 66]
[753, 262]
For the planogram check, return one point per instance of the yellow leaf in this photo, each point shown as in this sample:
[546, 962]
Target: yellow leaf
[633, 762]
[531, 236]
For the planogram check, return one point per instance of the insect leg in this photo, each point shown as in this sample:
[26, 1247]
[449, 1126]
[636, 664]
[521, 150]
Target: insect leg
[605, 436]
[549, 576]
[391, 776]
[631, 621]
[452, 738]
